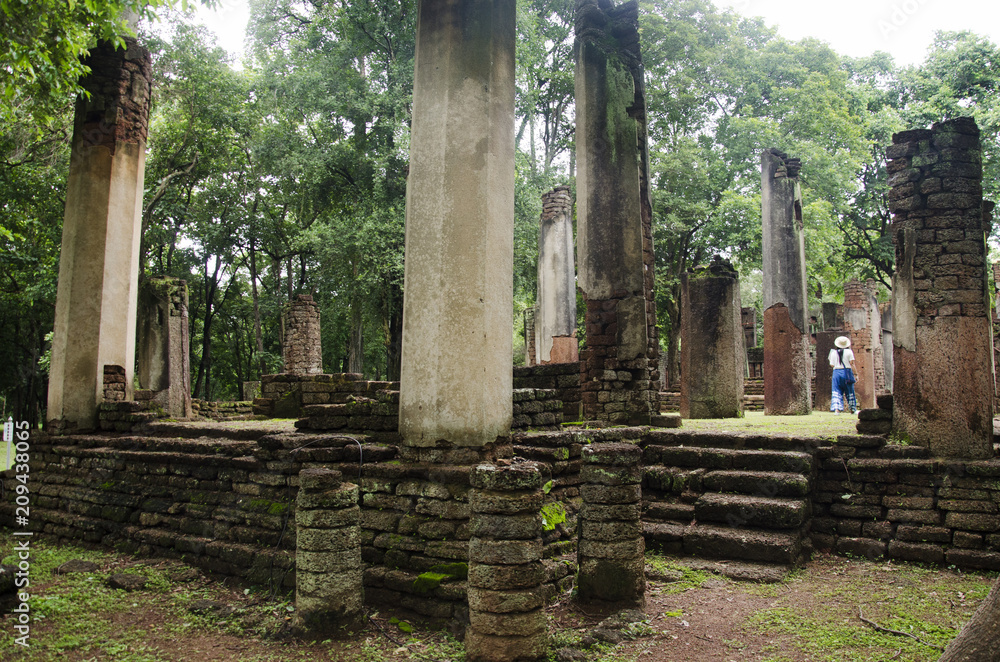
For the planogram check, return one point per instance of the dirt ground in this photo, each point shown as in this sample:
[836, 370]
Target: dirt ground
[690, 616]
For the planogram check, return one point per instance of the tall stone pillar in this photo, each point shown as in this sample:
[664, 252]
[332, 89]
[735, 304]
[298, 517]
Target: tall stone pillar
[456, 381]
[555, 319]
[614, 238]
[863, 325]
[302, 350]
[942, 337]
[787, 368]
[713, 355]
[95, 317]
[164, 356]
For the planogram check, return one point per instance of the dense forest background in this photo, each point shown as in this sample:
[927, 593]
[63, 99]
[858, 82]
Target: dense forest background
[289, 176]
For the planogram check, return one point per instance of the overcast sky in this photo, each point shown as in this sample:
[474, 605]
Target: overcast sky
[903, 28]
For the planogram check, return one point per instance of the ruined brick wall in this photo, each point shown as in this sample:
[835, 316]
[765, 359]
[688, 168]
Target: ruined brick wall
[374, 411]
[225, 410]
[114, 383]
[563, 378]
[117, 110]
[894, 502]
[229, 506]
[217, 503]
[302, 350]
[943, 378]
[283, 395]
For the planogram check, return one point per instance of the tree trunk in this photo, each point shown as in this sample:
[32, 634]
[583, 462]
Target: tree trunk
[394, 333]
[203, 384]
[258, 336]
[355, 348]
[979, 640]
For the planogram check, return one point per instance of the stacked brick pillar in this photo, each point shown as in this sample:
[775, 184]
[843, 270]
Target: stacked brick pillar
[611, 552]
[942, 346]
[619, 367]
[505, 569]
[302, 350]
[329, 594]
[863, 325]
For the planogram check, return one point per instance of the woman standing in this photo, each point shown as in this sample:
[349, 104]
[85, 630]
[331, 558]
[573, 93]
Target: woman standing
[841, 359]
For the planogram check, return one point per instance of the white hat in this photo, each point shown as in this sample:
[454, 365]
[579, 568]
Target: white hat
[843, 342]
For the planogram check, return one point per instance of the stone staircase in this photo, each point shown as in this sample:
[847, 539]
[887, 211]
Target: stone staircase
[753, 397]
[753, 394]
[735, 498]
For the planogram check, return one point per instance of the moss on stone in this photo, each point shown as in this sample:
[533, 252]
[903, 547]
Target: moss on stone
[428, 581]
[453, 570]
[266, 506]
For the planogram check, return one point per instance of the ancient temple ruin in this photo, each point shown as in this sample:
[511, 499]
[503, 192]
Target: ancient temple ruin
[433, 496]
[614, 237]
[787, 365]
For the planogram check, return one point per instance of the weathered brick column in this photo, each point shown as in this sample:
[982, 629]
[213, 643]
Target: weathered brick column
[302, 350]
[329, 594]
[164, 355]
[95, 316]
[505, 568]
[555, 319]
[787, 366]
[611, 552]
[619, 367]
[713, 357]
[942, 352]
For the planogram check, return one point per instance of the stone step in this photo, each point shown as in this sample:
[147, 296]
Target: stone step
[728, 458]
[758, 483]
[741, 571]
[668, 511]
[743, 510]
[236, 431]
[706, 439]
[742, 543]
